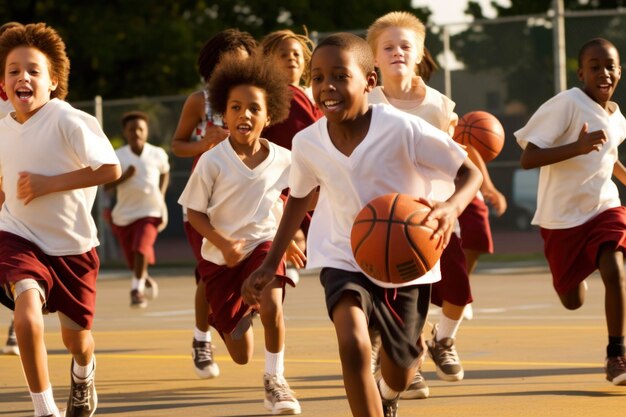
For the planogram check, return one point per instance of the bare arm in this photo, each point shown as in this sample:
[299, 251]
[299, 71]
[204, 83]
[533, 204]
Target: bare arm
[31, 186]
[534, 157]
[619, 171]
[164, 182]
[492, 195]
[130, 171]
[190, 116]
[230, 248]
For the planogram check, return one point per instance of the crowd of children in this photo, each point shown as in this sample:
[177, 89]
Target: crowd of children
[283, 157]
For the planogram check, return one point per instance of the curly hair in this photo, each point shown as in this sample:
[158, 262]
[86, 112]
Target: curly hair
[45, 39]
[403, 20]
[233, 72]
[133, 115]
[9, 25]
[271, 42]
[228, 40]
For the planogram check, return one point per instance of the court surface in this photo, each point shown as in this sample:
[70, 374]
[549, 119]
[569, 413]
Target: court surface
[524, 355]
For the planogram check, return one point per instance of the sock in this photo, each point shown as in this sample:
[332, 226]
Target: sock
[275, 362]
[386, 392]
[201, 336]
[44, 403]
[81, 373]
[447, 327]
[615, 346]
[138, 284]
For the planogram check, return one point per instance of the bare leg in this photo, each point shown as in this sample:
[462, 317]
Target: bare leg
[271, 312]
[140, 266]
[611, 265]
[202, 308]
[29, 328]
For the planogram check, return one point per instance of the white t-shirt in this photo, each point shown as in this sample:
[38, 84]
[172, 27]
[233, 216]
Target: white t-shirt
[399, 154]
[140, 195]
[56, 140]
[241, 203]
[5, 108]
[573, 191]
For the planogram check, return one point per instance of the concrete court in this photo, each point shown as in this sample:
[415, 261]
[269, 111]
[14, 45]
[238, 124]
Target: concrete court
[524, 356]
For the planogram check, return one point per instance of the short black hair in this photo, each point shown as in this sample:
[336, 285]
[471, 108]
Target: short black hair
[228, 40]
[591, 43]
[232, 72]
[355, 44]
[133, 115]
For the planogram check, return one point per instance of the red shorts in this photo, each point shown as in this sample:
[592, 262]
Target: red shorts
[69, 281]
[223, 288]
[475, 228]
[573, 253]
[139, 236]
[454, 286]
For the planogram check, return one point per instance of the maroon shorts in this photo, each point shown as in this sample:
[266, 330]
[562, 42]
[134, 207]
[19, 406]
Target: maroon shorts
[454, 286]
[223, 288]
[195, 241]
[475, 228]
[139, 236]
[68, 281]
[573, 253]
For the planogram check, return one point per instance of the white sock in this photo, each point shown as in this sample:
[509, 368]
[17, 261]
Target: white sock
[44, 403]
[386, 392]
[275, 362]
[447, 327]
[201, 336]
[138, 284]
[81, 373]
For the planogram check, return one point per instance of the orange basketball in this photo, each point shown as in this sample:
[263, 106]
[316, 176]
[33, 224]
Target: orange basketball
[389, 241]
[483, 131]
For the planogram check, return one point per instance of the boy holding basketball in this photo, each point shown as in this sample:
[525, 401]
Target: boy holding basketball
[582, 221]
[140, 212]
[52, 158]
[355, 153]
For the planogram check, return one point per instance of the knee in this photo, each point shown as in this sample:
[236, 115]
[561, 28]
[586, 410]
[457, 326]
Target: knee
[271, 313]
[571, 303]
[353, 352]
[240, 358]
[27, 324]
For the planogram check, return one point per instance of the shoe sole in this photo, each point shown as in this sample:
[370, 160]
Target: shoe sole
[11, 350]
[418, 394]
[283, 412]
[618, 380]
[137, 306]
[152, 289]
[448, 377]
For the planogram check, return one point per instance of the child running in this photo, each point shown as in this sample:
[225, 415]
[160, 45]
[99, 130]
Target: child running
[291, 53]
[140, 212]
[200, 129]
[52, 158]
[353, 154]
[397, 42]
[233, 199]
[574, 137]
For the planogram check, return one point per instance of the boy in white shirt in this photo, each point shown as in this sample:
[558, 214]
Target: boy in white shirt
[52, 158]
[355, 153]
[140, 212]
[574, 137]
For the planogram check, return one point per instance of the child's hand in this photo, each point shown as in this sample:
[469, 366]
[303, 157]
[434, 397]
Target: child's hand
[496, 199]
[214, 135]
[295, 255]
[232, 251]
[445, 214]
[31, 186]
[253, 285]
[590, 141]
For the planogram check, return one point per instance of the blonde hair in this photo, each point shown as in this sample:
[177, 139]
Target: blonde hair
[271, 42]
[403, 20]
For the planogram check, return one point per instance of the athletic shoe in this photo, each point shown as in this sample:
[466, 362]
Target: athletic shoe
[615, 368]
[152, 289]
[376, 344]
[137, 299]
[11, 348]
[203, 363]
[60, 414]
[390, 407]
[279, 398]
[468, 312]
[447, 361]
[418, 389]
[83, 399]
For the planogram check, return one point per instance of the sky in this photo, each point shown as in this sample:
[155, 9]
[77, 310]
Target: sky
[451, 11]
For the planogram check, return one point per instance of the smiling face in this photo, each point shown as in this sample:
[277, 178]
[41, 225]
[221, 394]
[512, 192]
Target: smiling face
[600, 72]
[290, 58]
[136, 133]
[246, 114]
[397, 53]
[339, 84]
[27, 81]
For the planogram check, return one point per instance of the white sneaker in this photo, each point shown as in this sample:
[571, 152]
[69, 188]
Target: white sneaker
[468, 312]
[203, 362]
[11, 348]
[151, 291]
[279, 398]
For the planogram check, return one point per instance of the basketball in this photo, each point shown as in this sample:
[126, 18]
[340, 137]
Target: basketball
[483, 131]
[389, 241]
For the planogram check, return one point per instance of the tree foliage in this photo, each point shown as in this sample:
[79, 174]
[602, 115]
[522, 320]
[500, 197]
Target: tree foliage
[129, 48]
